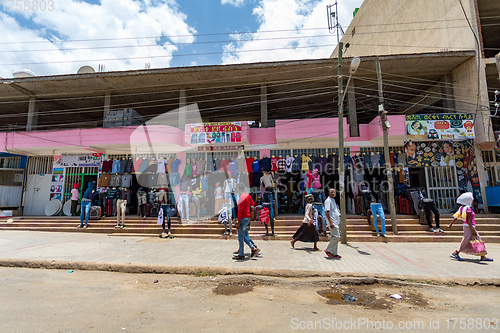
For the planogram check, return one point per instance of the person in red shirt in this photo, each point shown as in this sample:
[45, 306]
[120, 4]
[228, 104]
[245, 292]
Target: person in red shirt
[243, 223]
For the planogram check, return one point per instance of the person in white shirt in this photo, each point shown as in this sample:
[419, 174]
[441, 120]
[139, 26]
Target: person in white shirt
[332, 213]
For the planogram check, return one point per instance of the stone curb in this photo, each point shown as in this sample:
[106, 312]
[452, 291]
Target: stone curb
[352, 278]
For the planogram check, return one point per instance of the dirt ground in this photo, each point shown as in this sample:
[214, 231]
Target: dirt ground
[39, 300]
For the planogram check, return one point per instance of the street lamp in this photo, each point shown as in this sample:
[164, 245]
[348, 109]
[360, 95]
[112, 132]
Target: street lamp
[354, 66]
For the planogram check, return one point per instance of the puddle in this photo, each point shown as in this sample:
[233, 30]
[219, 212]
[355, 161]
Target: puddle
[336, 297]
[228, 290]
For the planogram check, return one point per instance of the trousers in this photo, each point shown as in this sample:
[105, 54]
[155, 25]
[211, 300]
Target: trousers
[121, 206]
[428, 208]
[377, 209]
[166, 215]
[84, 212]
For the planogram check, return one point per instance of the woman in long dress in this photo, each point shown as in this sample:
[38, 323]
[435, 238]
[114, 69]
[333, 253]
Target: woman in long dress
[466, 214]
[307, 231]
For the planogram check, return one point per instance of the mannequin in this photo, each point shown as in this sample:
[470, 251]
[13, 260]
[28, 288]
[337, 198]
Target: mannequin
[188, 169]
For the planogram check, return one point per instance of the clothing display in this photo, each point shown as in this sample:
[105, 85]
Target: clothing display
[116, 166]
[126, 180]
[305, 163]
[289, 163]
[249, 164]
[265, 164]
[256, 165]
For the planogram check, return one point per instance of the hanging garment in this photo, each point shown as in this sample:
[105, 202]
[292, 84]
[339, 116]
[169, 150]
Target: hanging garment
[264, 215]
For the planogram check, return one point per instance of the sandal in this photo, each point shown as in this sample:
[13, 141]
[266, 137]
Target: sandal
[328, 254]
[456, 256]
[486, 259]
[316, 249]
[239, 257]
[292, 244]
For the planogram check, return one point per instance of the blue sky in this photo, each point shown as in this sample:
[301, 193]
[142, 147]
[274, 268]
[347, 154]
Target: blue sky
[127, 34]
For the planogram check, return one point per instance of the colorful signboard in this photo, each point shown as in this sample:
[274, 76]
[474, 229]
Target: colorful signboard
[214, 133]
[57, 183]
[220, 148]
[79, 160]
[456, 126]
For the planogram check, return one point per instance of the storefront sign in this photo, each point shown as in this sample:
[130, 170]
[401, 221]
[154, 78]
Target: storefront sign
[79, 160]
[220, 148]
[457, 126]
[214, 133]
[460, 154]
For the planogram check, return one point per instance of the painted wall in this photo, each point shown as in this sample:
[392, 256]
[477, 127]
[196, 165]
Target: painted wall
[385, 27]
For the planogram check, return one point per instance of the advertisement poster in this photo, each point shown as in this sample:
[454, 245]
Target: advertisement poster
[456, 126]
[213, 133]
[56, 185]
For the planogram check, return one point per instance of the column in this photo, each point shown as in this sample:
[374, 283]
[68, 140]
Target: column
[263, 106]
[182, 109]
[351, 115]
[32, 121]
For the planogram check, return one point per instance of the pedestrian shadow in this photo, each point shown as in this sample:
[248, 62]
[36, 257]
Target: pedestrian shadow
[306, 249]
[473, 261]
[359, 251]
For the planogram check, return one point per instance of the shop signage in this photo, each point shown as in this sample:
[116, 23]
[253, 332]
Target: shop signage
[79, 160]
[214, 133]
[460, 154]
[220, 148]
[456, 126]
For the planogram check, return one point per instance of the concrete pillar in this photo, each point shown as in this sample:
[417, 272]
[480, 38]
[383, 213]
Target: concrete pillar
[107, 109]
[182, 109]
[263, 106]
[447, 91]
[351, 114]
[32, 121]
[481, 172]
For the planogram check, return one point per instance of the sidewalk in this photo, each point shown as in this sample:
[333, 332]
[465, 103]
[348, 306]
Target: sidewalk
[409, 261]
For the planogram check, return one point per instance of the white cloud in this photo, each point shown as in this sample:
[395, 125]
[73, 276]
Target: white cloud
[117, 21]
[236, 3]
[288, 31]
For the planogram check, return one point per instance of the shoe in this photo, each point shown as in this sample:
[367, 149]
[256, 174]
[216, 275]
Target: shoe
[236, 252]
[168, 233]
[85, 226]
[486, 259]
[273, 234]
[292, 244]
[117, 226]
[337, 256]
[255, 252]
[384, 235]
[80, 226]
[122, 227]
[440, 230]
[239, 257]
[433, 230]
[378, 235]
[324, 233]
[328, 254]
[456, 256]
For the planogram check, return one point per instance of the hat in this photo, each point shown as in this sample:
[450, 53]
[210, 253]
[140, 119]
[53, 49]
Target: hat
[465, 199]
[76, 185]
[309, 198]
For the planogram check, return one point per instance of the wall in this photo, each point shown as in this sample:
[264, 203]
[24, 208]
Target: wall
[385, 27]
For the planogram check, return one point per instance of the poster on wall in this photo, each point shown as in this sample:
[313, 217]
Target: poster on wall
[213, 133]
[79, 160]
[457, 126]
[460, 154]
[57, 183]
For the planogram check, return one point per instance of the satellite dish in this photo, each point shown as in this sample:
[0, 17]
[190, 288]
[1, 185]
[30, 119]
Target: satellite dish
[23, 73]
[86, 70]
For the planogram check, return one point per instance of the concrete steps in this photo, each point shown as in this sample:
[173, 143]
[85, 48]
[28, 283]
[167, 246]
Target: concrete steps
[358, 230]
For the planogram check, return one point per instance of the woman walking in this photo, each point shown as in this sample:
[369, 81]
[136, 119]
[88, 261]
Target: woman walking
[466, 215]
[307, 231]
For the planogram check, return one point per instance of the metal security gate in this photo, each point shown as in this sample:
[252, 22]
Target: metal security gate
[442, 187]
[80, 175]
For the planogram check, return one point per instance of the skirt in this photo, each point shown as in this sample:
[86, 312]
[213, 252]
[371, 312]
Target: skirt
[218, 205]
[306, 233]
[465, 246]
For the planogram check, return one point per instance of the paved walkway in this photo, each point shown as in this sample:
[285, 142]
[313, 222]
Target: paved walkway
[147, 254]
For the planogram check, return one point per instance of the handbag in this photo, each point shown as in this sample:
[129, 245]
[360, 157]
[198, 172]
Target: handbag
[478, 247]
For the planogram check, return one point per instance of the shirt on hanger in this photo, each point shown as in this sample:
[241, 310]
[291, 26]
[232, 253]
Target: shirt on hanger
[175, 165]
[265, 164]
[305, 163]
[256, 165]
[282, 164]
[274, 163]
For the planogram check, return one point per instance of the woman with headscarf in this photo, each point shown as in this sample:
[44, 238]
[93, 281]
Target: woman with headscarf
[75, 196]
[466, 214]
[307, 231]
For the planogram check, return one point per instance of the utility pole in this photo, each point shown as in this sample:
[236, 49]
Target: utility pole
[385, 127]
[343, 227]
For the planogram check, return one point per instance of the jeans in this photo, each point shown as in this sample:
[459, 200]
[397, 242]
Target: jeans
[121, 206]
[334, 241]
[271, 217]
[428, 207]
[184, 198]
[321, 212]
[377, 209]
[84, 212]
[166, 214]
[234, 201]
[174, 178]
[243, 236]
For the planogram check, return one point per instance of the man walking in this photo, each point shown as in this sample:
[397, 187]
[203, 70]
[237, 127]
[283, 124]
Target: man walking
[243, 223]
[333, 215]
